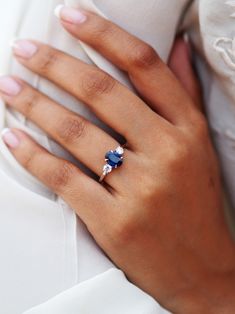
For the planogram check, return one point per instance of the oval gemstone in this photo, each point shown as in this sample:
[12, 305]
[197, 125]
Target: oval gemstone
[113, 159]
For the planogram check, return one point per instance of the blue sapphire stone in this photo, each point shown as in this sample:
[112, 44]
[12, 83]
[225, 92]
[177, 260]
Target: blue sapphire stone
[114, 159]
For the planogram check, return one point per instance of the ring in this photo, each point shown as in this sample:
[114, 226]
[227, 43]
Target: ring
[114, 159]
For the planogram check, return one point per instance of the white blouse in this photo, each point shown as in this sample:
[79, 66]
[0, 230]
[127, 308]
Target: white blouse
[49, 263]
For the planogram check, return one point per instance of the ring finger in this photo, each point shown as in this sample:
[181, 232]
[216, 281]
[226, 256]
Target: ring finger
[84, 140]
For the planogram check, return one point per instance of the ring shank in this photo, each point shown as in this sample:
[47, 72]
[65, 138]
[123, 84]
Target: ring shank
[102, 177]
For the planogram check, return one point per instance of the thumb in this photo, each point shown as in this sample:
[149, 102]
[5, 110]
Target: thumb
[180, 63]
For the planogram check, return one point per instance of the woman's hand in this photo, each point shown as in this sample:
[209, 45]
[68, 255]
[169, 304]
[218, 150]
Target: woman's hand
[159, 216]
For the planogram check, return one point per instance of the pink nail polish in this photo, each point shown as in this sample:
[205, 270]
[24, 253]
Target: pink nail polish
[24, 48]
[9, 86]
[10, 138]
[69, 14]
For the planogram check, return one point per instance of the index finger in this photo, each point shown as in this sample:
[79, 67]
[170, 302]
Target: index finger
[150, 75]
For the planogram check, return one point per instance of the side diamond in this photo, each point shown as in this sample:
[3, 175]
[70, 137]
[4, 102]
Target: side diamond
[107, 169]
[119, 150]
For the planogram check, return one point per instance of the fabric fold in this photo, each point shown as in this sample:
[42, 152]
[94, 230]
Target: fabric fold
[107, 293]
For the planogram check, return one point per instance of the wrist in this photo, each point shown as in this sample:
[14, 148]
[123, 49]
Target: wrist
[213, 290]
[214, 297]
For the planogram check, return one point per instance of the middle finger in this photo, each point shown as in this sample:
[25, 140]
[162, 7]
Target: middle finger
[112, 102]
[87, 142]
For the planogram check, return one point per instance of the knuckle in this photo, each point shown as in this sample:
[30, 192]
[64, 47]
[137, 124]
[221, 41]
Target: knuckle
[124, 231]
[201, 127]
[47, 60]
[148, 187]
[71, 129]
[182, 151]
[60, 177]
[29, 102]
[143, 55]
[178, 155]
[96, 83]
[102, 30]
[28, 160]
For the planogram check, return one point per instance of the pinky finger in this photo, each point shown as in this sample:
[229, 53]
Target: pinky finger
[182, 66]
[60, 175]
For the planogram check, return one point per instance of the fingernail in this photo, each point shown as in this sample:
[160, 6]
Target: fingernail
[69, 14]
[188, 45]
[186, 37]
[10, 139]
[23, 48]
[9, 86]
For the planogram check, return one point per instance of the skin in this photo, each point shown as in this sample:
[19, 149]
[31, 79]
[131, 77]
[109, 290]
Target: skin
[159, 217]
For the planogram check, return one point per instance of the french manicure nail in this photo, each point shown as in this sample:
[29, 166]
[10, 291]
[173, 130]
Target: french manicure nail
[69, 14]
[23, 48]
[9, 86]
[10, 139]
